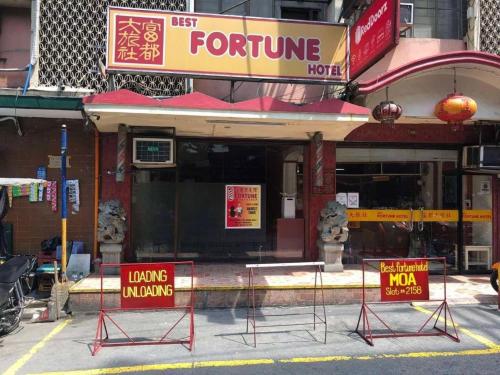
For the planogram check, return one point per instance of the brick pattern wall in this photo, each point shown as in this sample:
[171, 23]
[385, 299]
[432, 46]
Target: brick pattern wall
[21, 156]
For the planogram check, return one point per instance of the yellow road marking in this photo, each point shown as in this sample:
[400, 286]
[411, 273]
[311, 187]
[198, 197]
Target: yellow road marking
[25, 358]
[268, 361]
[234, 363]
[483, 340]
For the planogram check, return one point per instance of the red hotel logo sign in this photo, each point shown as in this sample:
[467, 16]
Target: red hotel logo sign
[404, 280]
[225, 46]
[140, 40]
[373, 35]
[147, 285]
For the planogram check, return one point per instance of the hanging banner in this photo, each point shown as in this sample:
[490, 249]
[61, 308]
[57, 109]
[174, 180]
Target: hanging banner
[374, 34]
[243, 206]
[416, 215]
[147, 285]
[215, 45]
[404, 280]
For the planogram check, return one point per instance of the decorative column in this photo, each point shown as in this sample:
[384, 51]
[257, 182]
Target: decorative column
[318, 196]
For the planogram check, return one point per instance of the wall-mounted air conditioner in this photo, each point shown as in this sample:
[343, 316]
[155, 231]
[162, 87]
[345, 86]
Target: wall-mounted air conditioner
[481, 157]
[406, 13]
[153, 152]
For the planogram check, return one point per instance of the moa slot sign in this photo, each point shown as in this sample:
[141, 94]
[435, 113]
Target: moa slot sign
[404, 280]
[225, 46]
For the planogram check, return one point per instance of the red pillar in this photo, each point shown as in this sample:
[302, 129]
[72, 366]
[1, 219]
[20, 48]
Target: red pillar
[110, 189]
[496, 220]
[317, 197]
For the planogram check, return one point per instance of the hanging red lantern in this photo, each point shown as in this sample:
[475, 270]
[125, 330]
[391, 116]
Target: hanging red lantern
[455, 108]
[387, 112]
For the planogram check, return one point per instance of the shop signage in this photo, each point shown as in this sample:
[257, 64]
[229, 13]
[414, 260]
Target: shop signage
[374, 34]
[243, 206]
[416, 215]
[147, 285]
[225, 46]
[404, 280]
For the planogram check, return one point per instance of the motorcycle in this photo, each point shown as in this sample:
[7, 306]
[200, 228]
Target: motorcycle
[16, 281]
[16, 278]
[494, 275]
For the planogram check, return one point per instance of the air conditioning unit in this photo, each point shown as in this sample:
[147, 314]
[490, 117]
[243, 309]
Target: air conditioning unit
[481, 157]
[153, 152]
[406, 13]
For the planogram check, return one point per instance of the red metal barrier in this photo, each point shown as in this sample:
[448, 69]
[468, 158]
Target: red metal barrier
[145, 287]
[404, 280]
[251, 306]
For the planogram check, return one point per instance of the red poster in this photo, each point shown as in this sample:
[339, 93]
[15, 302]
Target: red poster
[242, 207]
[148, 285]
[139, 40]
[373, 35]
[404, 280]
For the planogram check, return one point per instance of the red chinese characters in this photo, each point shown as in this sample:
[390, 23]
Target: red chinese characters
[139, 40]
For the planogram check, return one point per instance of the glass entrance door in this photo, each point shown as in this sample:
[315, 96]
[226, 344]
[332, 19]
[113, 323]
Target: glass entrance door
[477, 222]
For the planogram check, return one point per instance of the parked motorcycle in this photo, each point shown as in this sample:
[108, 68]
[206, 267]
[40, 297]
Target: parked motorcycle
[494, 275]
[16, 280]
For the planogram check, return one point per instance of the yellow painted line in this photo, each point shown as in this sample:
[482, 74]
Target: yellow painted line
[332, 358]
[483, 340]
[163, 367]
[393, 356]
[234, 363]
[268, 361]
[25, 358]
[125, 369]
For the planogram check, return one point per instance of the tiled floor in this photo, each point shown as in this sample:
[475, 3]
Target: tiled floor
[460, 288]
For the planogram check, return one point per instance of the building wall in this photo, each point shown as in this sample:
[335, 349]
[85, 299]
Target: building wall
[418, 133]
[109, 188]
[14, 51]
[21, 156]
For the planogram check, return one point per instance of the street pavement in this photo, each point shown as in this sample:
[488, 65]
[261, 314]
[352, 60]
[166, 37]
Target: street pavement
[222, 345]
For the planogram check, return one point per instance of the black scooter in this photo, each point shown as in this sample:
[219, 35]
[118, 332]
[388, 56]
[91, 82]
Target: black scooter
[16, 278]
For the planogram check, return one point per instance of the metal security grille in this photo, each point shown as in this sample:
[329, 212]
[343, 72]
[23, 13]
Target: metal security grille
[490, 26]
[72, 40]
[153, 150]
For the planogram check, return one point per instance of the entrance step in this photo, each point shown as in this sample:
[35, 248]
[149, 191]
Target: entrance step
[226, 286]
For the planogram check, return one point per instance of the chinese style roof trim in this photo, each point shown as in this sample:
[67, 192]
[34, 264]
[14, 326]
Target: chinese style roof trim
[450, 58]
[200, 101]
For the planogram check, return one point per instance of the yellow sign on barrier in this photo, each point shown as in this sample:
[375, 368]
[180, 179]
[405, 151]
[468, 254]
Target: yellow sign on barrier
[416, 215]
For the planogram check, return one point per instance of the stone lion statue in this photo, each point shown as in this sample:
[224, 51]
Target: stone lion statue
[112, 222]
[332, 225]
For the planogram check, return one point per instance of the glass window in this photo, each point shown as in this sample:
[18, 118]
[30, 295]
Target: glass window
[423, 187]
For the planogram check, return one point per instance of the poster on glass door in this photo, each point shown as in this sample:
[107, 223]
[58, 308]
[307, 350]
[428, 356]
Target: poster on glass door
[243, 205]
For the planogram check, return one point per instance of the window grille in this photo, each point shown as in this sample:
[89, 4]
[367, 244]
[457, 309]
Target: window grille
[72, 40]
[490, 26]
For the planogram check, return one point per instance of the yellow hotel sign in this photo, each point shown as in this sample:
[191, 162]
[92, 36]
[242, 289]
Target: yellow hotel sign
[417, 215]
[225, 46]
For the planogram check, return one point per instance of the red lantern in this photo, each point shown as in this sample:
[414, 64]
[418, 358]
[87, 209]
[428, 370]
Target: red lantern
[455, 108]
[386, 112]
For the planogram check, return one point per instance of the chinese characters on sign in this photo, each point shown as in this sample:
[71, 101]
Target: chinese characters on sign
[243, 206]
[225, 46]
[147, 285]
[139, 40]
[404, 280]
[450, 216]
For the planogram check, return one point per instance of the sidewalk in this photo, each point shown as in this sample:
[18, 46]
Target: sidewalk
[225, 285]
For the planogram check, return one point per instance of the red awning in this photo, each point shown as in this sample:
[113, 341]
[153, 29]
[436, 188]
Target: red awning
[198, 100]
[198, 114]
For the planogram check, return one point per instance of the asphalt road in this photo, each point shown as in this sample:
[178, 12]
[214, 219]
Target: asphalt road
[222, 345]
